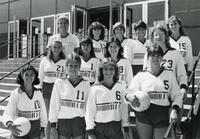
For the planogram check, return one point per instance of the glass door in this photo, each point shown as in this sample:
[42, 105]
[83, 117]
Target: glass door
[36, 37]
[41, 29]
[146, 11]
[79, 21]
[13, 38]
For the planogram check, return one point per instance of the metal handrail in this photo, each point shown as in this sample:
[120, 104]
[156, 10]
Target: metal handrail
[191, 79]
[18, 69]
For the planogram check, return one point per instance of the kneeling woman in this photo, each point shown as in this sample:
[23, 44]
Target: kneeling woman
[161, 85]
[106, 111]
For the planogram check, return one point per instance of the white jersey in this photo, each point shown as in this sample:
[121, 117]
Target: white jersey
[125, 71]
[160, 88]
[173, 61]
[129, 45]
[69, 43]
[99, 48]
[185, 48]
[106, 105]
[22, 105]
[49, 70]
[89, 69]
[68, 101]
[138, 53]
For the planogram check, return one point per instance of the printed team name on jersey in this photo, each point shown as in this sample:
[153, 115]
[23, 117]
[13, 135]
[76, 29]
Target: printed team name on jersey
[90, 73]
[167, 64]
[54, 74]
[29, 114]
[122, 77]
[158, 95]
[108, 106]
[99, 50]
[138, 55]
[72, 103]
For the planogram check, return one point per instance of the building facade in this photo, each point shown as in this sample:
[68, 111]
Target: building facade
[27, 24]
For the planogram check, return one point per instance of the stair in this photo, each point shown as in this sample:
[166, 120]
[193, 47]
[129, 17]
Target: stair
[8, 84]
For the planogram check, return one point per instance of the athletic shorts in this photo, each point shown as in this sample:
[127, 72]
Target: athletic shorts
[155, 115]
[111, 130]
[47, 89]
[71, 127]
[34, 131]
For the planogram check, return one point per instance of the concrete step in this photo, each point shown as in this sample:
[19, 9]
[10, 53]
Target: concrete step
[15, 65]
[8, 80]
[21, 60]
[6, 86]
[9, 69]
[13, 75]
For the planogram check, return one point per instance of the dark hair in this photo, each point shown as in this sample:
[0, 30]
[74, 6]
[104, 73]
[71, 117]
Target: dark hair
[89, 42]
[96, 25]
[105, 62]
[118, 25]
[153, 50]
[20, 80]
[50, 53]
[164, 30]
[73, 57]
[121, 50]
[171, 19]
[140, 24]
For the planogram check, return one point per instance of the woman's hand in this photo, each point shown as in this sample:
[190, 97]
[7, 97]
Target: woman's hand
[173, 115]
[15, 131]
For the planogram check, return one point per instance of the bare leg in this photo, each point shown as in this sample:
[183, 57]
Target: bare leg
[145, 131]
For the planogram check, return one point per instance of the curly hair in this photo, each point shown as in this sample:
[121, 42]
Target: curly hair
[20, 80]
[105, 62]
[96, 25]
[164, 30]
[121, 50]
[140, 24]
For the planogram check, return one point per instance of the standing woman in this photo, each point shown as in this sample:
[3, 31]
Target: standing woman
[26, 101]
[89, 63]
[106, 112]
[172, 59]
[114, 50]
[161, 86]
[96, 33]
[127, 43]
[51, 67]
[176, 32]
[68, 102]
[69, 41]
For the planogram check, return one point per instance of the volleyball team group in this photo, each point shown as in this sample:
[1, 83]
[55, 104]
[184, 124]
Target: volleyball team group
[88, 89]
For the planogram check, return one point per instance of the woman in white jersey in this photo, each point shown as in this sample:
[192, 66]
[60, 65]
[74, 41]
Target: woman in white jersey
[172, 59]
[140, 46]
[69, 41]
[26, 101]
[68, 102]
[114, 50]
[176, 32]
[164, 91]
[127, 43]
[96, 33]
[106, 112]
[52, 66]
[89, 63]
